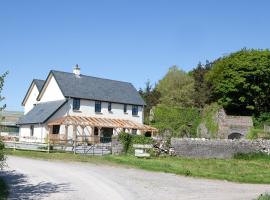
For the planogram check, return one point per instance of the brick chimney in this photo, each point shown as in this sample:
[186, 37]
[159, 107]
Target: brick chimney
[77, 70]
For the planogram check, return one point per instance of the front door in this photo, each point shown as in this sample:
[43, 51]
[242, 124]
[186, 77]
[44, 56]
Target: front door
[106, 135]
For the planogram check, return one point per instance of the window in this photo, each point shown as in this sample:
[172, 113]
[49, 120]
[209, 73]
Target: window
[109, 106]
[134, 131]
[98, 106]
[76, 104]
[31, 130]
[135, 110]
[96, 131]
[125, 108]
[56, 129]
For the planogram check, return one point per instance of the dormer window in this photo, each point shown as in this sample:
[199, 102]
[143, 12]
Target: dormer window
[76, 104]
[97, 106]
[135, 110]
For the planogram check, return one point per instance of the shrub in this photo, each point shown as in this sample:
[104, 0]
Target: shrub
[128, 140]
[208, 118]
[255, 133]
[263, 118]
[2, 155]
[264, 197]
[252, 156]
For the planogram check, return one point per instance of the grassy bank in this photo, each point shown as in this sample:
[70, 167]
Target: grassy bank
[245, 169]
[3, 190]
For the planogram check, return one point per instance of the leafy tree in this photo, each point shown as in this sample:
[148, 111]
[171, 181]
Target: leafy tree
[2, 155]
[151, 97]
[202, 88]
[176, 88]
[241, 81]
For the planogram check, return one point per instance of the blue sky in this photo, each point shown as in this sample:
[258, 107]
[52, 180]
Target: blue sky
[121, 39]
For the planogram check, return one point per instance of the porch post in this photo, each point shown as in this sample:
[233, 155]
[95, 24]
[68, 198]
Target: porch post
[74, 138]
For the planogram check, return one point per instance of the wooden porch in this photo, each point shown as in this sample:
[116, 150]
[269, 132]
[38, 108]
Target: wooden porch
[93, 126]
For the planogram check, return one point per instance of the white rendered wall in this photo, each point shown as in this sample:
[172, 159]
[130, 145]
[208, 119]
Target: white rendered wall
[88, 109]
[32, 99]
[40, 133]
[52, 91]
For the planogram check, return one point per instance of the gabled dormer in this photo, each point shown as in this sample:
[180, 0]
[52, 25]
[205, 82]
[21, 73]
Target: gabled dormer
[30, 98]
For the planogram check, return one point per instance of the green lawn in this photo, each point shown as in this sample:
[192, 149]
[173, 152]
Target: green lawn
[245, 169]
[3, 190]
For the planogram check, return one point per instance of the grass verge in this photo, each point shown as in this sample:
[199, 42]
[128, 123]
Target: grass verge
[3, 189]
[244, 169]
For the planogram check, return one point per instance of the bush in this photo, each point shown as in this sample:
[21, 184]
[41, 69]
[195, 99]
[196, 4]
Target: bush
[208, 118]
[2, 155]
[252, 156]
[128, 140]
[255, 133]
[263, 118]
[264, 197]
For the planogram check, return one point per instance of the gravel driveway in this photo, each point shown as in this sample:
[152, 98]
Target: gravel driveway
[38, 179]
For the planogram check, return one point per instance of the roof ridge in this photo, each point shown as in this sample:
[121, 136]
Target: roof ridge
[92, 76]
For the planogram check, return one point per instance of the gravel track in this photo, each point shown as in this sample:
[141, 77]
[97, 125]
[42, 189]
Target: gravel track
[55, 180]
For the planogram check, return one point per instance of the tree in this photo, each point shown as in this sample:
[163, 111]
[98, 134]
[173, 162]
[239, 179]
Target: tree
[203, 88]
[151, 97]
[241, 81]
[176, 88]
[2, 155]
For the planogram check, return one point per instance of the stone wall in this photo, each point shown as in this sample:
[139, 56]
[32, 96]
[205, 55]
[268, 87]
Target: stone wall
[117, 147]
[221, 148]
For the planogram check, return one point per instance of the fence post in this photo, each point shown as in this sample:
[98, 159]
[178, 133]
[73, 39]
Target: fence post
[75, 141]
[48, 150]
[14, 146]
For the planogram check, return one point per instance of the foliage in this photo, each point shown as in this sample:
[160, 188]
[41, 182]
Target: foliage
[237, 170]
[151, 97]
[176, 88]
[241, 81]
[264, 197]
[180, 121]
[252, 156]
[208, 118]
[203, 89]
[2, 146]
[3, 189]
[255, 133]
[2, 155]
[261, 120]
[127, 140]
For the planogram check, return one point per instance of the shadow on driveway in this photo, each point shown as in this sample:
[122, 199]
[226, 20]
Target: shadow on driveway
[20, 188]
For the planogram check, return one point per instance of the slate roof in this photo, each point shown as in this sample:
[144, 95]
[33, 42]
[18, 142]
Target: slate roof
[41, 112]
[39, 84]
[93, 88]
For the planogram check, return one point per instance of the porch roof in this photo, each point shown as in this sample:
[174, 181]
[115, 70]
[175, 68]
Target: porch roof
[101, 122]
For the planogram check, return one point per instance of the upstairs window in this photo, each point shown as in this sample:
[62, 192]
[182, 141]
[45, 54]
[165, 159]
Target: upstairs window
[109, 106]
[76, 104]
[31, 130]
[125, 108]
[135, 110]
[56, 129]
[98, 106]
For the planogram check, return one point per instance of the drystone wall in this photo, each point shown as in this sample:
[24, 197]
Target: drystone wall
[220, 148]
[117, 147]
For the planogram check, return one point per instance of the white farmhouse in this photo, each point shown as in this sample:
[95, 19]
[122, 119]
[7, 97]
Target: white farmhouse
[71, 105]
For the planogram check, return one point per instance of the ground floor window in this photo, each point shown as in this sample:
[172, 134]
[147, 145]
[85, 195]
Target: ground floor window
[134, 131]
[148, 134]
[96, 131]
[56, 129]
